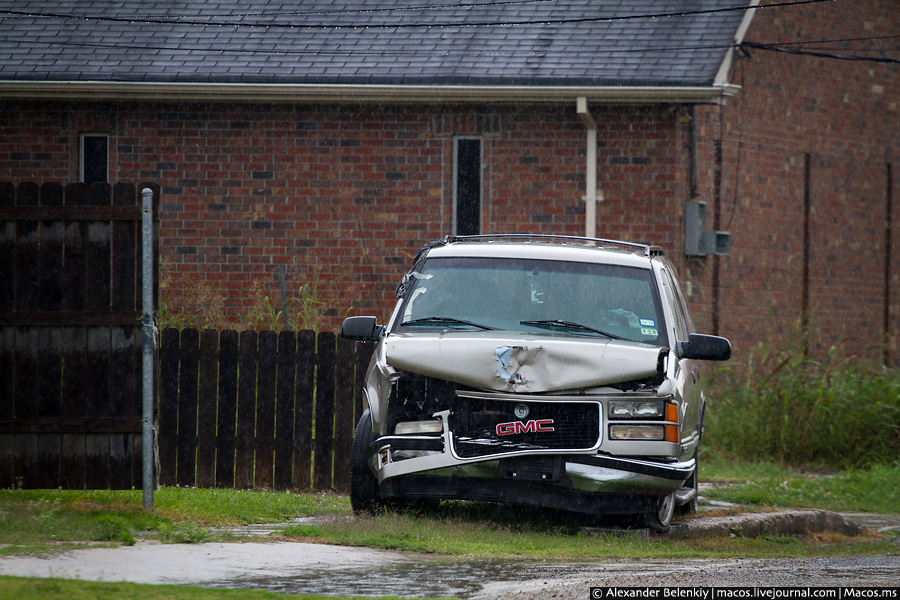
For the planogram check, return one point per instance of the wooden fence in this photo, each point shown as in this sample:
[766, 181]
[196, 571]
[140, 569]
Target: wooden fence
[246, 410]
[70, 371]
[258, 410]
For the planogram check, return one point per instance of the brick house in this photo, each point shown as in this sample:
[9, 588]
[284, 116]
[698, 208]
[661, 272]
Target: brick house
[333, 139]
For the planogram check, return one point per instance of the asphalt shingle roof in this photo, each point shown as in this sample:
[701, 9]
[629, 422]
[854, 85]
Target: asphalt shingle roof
[384, 42]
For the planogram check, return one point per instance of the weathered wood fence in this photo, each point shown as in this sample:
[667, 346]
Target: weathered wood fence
[70, 406]
[246, 410]
[258, 409]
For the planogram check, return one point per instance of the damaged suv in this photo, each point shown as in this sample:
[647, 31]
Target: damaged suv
[543, 370]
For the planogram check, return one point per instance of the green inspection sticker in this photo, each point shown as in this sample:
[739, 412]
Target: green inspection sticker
[649, 331]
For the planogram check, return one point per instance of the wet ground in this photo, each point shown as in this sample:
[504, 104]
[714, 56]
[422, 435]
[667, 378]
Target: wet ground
[317, 568]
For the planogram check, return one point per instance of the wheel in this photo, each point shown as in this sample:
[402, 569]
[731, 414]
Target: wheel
[660, 520]
[364, 496]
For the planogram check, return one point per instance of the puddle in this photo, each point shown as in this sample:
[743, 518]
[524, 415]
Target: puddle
[425, 579]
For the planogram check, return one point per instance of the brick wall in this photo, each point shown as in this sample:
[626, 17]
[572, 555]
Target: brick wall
[246, 188]
[817, 132]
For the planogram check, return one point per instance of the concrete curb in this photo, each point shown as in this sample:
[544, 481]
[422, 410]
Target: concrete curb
[787, 522]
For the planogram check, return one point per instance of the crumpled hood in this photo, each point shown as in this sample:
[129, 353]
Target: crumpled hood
[520, 363]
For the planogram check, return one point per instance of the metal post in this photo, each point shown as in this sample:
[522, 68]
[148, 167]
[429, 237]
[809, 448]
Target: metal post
[148, 342]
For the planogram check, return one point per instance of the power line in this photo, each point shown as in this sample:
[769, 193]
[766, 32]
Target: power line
[182, 21]
[818, 54]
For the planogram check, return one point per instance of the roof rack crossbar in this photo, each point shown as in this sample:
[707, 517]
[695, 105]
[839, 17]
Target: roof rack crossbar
[645, 248]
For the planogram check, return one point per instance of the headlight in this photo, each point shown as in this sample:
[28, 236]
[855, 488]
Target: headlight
[646, 409]
[637, 432]
[414, 427]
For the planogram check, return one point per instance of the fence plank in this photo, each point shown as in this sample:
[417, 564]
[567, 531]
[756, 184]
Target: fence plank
[27, 251]
[125, 365]
[7, 460]
[345, 368]
[37, 460]
[303, 408]
[324, 436]
[121, 458]
[49, 372]
[125, 236]
[7, 265]
[50, 260]
[72, 461]
[7, 371]
[227, 408]
[74, 403]
[98, 371]
[74, 276]
[27, 372]
[284, 403]
[206, 411]
[189, 355]
[96, 461]
[246, 410]
[265, 409]
[168, 404]
[98, 251]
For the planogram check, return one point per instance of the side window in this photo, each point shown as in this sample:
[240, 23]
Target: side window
[467, 186]
[670, 291]
[94, 157]
[682, 304]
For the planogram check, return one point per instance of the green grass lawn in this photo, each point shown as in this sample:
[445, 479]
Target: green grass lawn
[40, 521]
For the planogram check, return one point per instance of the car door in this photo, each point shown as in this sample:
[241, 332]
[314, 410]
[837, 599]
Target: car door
[687, 372]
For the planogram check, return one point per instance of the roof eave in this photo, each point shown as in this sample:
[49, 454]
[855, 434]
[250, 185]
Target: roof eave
[725, 68]
[434, 94]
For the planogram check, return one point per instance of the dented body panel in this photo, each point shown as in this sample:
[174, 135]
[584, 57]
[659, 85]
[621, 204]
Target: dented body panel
[520, 362]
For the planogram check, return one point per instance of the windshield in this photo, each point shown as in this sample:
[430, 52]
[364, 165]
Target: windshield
[563, 298]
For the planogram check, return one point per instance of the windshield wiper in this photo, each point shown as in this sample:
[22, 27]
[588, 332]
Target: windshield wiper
[561, 324]
[445, 321]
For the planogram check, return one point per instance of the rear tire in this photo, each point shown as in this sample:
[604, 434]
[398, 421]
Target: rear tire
[364, 495]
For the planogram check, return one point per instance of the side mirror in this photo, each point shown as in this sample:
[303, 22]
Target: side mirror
[705, 347]
[361, 329]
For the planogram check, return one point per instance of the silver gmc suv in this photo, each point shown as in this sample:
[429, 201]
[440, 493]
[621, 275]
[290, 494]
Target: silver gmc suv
[543, 370]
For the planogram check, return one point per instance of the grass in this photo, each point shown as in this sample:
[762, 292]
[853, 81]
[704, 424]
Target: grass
[784, 406]
[40, 520]
[32, 519]
[23, 588]
[875, 489]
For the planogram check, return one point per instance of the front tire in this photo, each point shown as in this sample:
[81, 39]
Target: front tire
[660, 521]
[364, 495]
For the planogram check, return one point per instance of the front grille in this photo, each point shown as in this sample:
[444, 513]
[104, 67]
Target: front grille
[474, 423]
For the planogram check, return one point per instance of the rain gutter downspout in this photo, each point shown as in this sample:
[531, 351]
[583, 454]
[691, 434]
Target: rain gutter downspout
[590, 209]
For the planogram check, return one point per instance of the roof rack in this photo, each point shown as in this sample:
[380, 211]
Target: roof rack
[647, 249]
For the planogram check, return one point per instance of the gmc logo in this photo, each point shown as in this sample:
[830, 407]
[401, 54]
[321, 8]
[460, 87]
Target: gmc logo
[533, 426]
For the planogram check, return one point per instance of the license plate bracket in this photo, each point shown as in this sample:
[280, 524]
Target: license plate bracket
[547, 469]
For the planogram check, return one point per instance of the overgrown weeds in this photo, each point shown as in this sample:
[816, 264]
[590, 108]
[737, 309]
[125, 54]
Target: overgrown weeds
[830, 411]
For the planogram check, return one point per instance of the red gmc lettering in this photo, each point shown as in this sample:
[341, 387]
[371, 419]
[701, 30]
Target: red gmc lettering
[533, 426]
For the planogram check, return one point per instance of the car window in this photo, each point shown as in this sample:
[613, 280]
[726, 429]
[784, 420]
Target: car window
[670, 291]
[537, 296]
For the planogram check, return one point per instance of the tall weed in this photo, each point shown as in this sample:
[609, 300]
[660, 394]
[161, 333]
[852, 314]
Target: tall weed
[830, 411]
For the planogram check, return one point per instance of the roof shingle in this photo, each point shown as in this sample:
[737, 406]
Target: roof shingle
[387, 42]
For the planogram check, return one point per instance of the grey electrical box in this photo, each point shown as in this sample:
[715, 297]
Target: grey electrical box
[698, 241]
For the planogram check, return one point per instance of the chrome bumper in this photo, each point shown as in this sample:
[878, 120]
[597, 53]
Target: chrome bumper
[586, 470]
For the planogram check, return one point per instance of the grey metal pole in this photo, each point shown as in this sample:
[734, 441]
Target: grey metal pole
[147, 321]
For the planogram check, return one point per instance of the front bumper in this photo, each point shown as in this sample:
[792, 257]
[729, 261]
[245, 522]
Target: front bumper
[430, 466]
